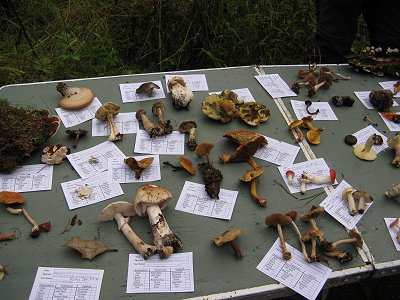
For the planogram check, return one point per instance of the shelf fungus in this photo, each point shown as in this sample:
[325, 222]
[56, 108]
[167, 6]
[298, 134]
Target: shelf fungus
[138, 165]
[106, 113]
[54, 155]
[393, 192]
[150, 200]
[365, 151]
[382, 100]
[212, 177]
[74, 98]
[229, 237]
[249, 142]
[394, 143]
[251, 176]
[180, 93]
[147, 88]
[121, 211]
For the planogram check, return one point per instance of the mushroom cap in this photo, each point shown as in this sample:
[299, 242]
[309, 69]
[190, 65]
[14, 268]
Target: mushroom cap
[108, 108]
[254, 113]
[367, 197]
[359, 241]
[74, 98]
[245, 151]
[228, 236]
[147, 88]
[252, 174]
[295, 123]
[11, 197]
[313, 137]
[204, 149]
[148, 195]
[124, 208]
[276, 219]
[346, 192]
[306, 121]
[313, 213]
[139, 114]
[218, 108]
[157, 107]
[350, 139]
[241, 136]
[175, 80]
[292, 214]
[289, 172]
[186, 163]
[394, 141]
[309, 234]
[139, 164]
[185, 126]
[364, 155]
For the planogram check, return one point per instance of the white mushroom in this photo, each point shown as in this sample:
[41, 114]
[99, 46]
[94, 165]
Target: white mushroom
[290, 176]
[107, 112]
[120, 211]
[316, 179]
[150, 200]
[348, 195]
[181, 95]
[35, 230]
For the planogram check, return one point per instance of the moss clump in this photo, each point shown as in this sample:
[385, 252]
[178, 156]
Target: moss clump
[23, 130]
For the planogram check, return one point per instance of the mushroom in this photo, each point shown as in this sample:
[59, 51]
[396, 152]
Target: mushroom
[324, 81]
[354, 237]
[254, 113]
[158, 110]
[295, 126]
[310, 217]
[293, 216]
[251, 176]
[365, 151]
[230, 236]
[316, 179]
[382, 100]
[313, 134]
[11, 197]
[54, 155]
[138, 165]
[151, 128]
[348, 196]
[370, 122]
[312, 235]
[84, 191]
[342, 100]
[223, 107]
[278, 220]
[185, 164]
[290, 176]
[393, 192]
[181, 95]
[147, 88]
[362, 197]
[189, 126]
[335, 76]
[394, 143]
[341, 255]
[120, 211]
[150, 200]
[35, 230]
[107, 112]
[308, 103]
[77, 133]
[74, 97]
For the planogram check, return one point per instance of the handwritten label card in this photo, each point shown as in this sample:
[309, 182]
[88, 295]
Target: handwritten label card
[277, 152]
[389, 85]
[339, 208]
[74, 117]
[194, 199]
[393, 231]
[275, 86]
[156, 275]
[171, 144]
[325, 110]
[28, 178]
[128, 92]
[68, 284]
[297, 274]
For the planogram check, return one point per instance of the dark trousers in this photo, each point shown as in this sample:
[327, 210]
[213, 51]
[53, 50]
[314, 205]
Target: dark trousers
[337, 25]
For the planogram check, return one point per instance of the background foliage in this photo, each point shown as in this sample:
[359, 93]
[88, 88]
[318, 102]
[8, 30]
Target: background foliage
[60, 39]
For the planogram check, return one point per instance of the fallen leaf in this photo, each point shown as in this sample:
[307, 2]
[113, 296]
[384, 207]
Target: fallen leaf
[88, 248]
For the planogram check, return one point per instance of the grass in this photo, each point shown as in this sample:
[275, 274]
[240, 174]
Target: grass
[54, 39]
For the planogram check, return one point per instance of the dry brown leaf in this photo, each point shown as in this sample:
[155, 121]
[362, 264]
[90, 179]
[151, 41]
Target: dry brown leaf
[88, 248]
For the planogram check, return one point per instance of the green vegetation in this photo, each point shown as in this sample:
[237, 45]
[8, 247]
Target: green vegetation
[54, 39]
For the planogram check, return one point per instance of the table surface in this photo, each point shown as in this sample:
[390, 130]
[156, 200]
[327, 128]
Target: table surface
[217, 274]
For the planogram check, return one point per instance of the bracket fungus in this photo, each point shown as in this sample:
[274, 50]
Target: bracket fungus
[278, 220]
[365, 151]
[76, 134]
[7, 197]
[120, 211]
[254, 113]
[54, 155]
[251, 176]
[393, 192]
[382, 100]
[138, 165]
[150, 200]
[394, 143]
[107, 112]
[180, 93]
[362, 197]
[230, 237]
[74, 98]
[189, 126]
[347, 195]
[147, 88]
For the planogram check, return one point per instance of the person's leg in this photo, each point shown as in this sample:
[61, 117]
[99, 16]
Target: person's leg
[336, 28]
[383, 20]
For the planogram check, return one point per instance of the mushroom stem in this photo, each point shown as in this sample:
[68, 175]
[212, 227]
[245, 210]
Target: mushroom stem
[344, 241]
[313, 249]
[368, 144]
[361, 205]
[300, 135]
[367, 119]
[235, 247]
[35, 231]
[253, 191]
[303, 246]
[192, 139]
[115, 134]
[286, 254]
[144, 249]
[352, 204]
[160, 115]
[164, 239]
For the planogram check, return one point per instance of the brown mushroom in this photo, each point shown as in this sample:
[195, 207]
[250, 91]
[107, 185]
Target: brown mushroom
[74, 98]
[107, 112]
[394, 143]
[147, 88]
[310, 217]
[363, 198]
[293, 216]
[185, 164]
[151, 128]
[189, 126]
[230, 237]
[254, 113]
[295, 127]
[348, 196]
[251, 176]
[312, 235]
[278, 220]
[354, 237]
[180, 93]
[76, 134]
[138, 165]
[11, 197]
[313, 134]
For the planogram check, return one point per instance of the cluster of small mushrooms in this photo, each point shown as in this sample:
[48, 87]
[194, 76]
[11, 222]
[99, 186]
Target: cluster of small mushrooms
[313, 133]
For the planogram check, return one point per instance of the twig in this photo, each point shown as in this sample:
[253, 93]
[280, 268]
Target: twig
[285, 189]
